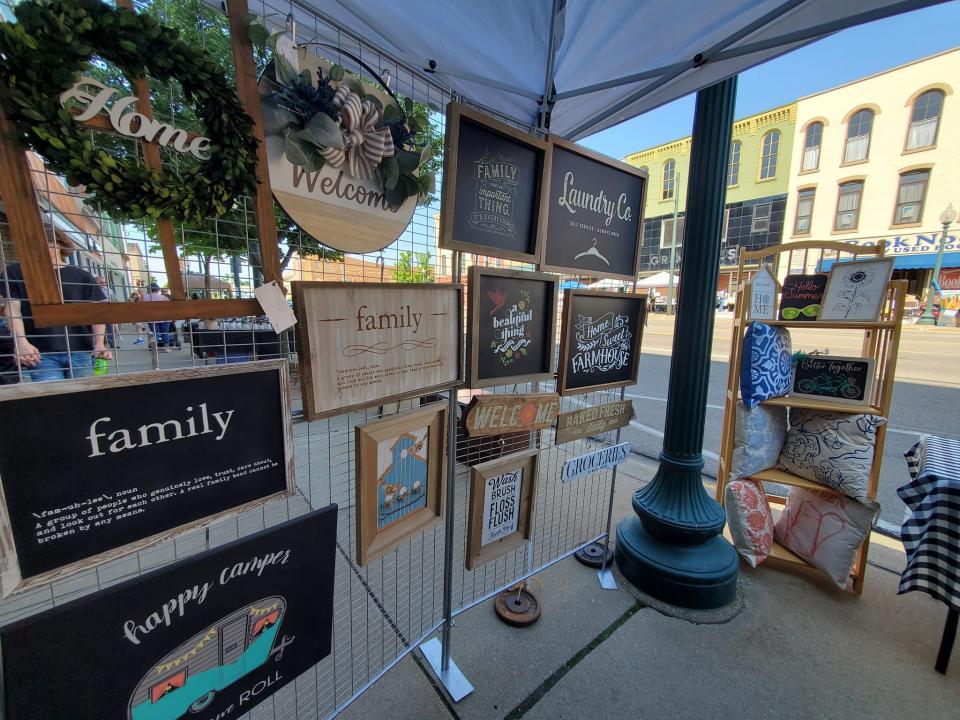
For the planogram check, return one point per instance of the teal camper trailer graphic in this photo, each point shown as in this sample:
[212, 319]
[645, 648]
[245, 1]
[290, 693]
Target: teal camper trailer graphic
[188, 678]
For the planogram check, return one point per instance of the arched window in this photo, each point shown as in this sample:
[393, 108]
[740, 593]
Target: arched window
[858, 137]
[925, 120]
[811, 146]
[768, 157]
[910, 197]
[669, 179]
[733, 168]
[848, 206]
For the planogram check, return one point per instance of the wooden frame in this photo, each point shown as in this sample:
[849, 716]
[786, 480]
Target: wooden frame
[884, 264]
[583, 152]
[529, 462]
[29, 239]
[309, 344]
[371, 541]
[447, 240]
[881, 341]
[11, 579]
[473, 336]
[566, 340]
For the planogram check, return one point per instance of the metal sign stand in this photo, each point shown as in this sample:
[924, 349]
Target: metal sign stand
[437, 651]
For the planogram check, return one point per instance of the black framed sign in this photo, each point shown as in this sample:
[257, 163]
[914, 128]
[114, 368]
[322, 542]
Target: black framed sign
[600, 340]
[801, 297]
[595, 217]
[131, 459]
[494, 188]
[207, 638]
[513, 316]
[847, 380]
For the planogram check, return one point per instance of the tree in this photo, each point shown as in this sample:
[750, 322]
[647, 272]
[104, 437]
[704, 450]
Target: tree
[407, 273]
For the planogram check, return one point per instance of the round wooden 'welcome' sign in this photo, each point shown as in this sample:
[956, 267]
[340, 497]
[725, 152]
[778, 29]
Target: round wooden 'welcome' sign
[340, 210]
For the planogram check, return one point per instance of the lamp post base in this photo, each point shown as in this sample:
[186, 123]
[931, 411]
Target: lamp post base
[926, 320]
[701, 576]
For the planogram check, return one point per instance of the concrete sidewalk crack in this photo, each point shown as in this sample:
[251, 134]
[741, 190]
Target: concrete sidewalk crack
[533, 698]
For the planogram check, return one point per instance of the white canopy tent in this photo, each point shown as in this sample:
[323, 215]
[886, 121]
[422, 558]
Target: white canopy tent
[660, 279]
[599, 62]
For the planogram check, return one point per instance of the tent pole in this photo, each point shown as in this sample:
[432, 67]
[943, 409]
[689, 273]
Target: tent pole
[672, 549]
[546, 102]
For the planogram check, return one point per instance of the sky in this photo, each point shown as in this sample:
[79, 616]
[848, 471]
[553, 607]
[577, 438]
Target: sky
[848, 55]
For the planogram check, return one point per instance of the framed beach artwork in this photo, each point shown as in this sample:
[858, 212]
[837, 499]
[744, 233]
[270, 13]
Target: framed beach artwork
[856, 290]
[500, 518]
[512, 319]
[399, 478]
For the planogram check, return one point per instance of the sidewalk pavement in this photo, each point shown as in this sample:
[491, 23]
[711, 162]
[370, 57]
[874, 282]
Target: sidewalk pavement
[797, 648]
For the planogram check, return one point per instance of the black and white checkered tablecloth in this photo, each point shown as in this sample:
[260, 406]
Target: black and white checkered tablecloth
[931, 532]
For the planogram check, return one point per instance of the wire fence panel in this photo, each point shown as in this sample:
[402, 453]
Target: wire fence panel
[383, 610]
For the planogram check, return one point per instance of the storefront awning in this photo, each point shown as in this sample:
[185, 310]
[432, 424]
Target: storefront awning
[911, 261]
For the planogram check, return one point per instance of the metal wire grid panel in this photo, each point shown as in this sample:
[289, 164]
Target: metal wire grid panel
[381, 611]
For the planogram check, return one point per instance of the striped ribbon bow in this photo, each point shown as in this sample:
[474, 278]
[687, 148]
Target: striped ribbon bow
[364, 145]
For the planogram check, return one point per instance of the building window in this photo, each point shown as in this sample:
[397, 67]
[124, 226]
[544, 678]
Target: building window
[913, 189]
[925, 120]
[666, 231]
[733, 169]
[768, 157]
[761, 219]
[858, 137]
[669, 185]
[848, 206]
[811, 147]
[801, 226]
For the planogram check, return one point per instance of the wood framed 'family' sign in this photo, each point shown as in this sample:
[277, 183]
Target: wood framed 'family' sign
[366, 344]
[208, 638]
[846, 380]
[595, 218]
[132, 459]
[600, 340]
[500, 518]
[494, 189]
[400, 471]
[512, 319]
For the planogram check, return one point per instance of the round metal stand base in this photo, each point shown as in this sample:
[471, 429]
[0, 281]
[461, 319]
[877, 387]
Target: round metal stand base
[700, 576]
[517, 608]
[593, 555]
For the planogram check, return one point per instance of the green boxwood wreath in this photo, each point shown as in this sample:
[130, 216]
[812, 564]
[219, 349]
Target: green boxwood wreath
[53, 41]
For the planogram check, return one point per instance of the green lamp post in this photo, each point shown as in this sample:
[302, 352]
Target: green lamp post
[946, 219]
[672, 548]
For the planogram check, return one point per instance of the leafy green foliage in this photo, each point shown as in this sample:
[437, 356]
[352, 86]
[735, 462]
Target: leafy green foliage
[51, 43]
[407, 272]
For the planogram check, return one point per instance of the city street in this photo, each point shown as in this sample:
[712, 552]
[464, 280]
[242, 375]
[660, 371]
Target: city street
[926, 396]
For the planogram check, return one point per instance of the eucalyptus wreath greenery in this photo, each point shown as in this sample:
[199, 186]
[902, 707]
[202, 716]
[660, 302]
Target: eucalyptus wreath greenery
[53, 41]
[305, 114]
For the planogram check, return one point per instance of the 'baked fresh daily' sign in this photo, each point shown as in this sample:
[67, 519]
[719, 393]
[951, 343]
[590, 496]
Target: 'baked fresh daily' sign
[133, 458]
[208, 638]
[595, 217]
[498, 414]
[366, 344]
[595, 461]
[591, 421]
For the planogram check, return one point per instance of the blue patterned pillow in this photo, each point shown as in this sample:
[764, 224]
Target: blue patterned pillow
[758, 439]
[767, 364]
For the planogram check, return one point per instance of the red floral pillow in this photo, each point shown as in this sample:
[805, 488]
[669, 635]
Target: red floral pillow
[750, 520]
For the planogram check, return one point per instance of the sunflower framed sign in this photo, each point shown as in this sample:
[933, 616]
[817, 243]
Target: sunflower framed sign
[400, 473]
[856, 290]
[513, 317]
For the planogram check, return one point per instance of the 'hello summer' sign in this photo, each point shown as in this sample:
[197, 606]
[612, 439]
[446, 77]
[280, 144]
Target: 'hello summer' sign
[208, 638]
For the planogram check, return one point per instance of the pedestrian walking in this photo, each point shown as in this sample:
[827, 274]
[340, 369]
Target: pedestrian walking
[159, 330]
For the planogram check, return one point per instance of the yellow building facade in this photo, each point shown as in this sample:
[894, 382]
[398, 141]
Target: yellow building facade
[758, 176]
[877, 161]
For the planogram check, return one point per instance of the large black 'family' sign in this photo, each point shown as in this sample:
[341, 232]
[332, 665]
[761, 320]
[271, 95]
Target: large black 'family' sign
[512, 319]
[595, 214]
[131, 458]
[210, 637]
[600, 340]
[493, 187]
